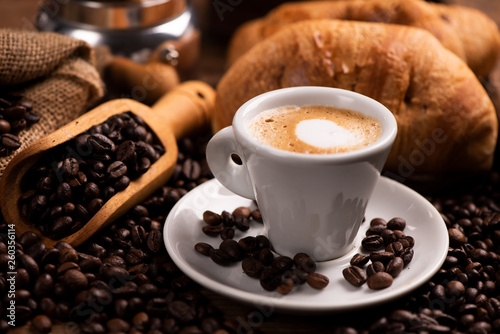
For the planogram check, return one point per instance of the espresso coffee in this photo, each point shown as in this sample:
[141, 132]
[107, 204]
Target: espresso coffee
[315, 129]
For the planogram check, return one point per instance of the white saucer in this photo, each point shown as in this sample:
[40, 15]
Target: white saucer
[390, 199]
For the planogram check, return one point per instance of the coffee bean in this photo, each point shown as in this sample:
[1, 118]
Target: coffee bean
[212, 218]
[117, 325]
[30, 265]
[18, 125]
[282, 263]
[135, 256]
[70, 167]
[379, 280]
[126, 151]
[227, 219]
[10, 141]
[395, 247]
[143, 165]
[14, 112]
[252, 267]
[36, 251]
[354, 275]
[28, 239]
[256, 215]
[181, 311]
[269, 279]
[242, 211]
[154, 241]
[383, 257]
[455, 288]
[286, 286]
[375, 267]
[305, 262]
[407, 255]
[317, 281]
[372, 243]
[64, 267]
[395, 266]
[220, 257]
[42, 323]
[298, 276]
[377, 222]
[266, 256]
[375, 230]
[241, 223]
[191, 169]
[68, 255]
[122, 183]
[388, 236]
[75, 280]
[248, 244]
[232, 248]
[262, 241]
[396, 223]
[4, 126]
[116, 170]
[212, 230]
[227, 233]
[100, 143]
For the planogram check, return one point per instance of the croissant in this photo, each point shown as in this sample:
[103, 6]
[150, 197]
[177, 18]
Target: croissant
[467, 32]
[446, 120]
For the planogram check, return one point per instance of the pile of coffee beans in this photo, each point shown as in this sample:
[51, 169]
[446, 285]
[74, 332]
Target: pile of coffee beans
[71, 182]
[225, 224]
[121, 280]
[16, 114]
[385, 265]
[280, 273]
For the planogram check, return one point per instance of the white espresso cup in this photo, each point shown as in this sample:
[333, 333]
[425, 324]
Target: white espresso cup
[311, 203]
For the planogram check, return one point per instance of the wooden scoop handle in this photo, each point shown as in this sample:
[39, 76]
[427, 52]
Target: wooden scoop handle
[146, 82]
[191, 106]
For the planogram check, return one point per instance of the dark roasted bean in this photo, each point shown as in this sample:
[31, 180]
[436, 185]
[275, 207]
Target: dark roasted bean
[266, 256]
[212, 218]
[212, 230]
[383, 257]
[286, 286]
[396, 223]
[379, 280]
[282, 263]
[354, 275]
[10, 141]
[232, 248]
[372, 243]
[375, 267]
[270, 279]
[252, 267]
[395, 266]
[317, 281]
[305, 262]
[220, 257]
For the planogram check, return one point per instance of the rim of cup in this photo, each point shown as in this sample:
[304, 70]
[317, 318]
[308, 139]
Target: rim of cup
[315, 95]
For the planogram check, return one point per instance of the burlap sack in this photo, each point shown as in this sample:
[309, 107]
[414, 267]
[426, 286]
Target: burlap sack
[58, 74]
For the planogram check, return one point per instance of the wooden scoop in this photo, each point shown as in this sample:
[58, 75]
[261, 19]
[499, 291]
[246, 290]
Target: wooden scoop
[184, 110]
[147, 81]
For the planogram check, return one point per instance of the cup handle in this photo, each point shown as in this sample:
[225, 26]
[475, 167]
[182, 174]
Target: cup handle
[231, 175]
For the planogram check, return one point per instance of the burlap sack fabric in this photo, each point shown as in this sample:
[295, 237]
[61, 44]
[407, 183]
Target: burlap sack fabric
[58, 74]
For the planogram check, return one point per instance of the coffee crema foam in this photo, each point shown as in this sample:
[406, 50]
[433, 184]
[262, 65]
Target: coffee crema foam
[315, 129]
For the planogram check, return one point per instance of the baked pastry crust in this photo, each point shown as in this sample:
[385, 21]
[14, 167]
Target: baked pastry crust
[446, 121]
[467, 32]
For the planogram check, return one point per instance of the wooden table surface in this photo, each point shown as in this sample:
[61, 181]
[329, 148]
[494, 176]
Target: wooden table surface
[22, 13]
